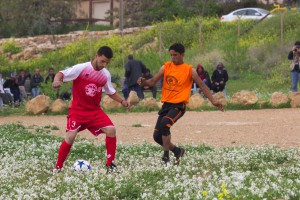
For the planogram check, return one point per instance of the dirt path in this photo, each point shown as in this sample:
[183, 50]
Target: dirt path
[278, 127]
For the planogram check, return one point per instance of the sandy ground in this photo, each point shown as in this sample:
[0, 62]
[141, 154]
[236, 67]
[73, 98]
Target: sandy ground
[278, 127]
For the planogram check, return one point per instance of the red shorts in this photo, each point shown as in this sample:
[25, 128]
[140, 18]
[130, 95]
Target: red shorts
[91, 120]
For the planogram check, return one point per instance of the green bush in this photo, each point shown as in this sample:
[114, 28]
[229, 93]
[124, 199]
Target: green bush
[11, 47]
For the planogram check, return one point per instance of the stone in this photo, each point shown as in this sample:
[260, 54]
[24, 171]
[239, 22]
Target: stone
[196, 101]
[244, 97]
[149, 102]
[38, 105]
[108, 103]
[133, 98]
[278, 98]
[295, 99]
[58, 105]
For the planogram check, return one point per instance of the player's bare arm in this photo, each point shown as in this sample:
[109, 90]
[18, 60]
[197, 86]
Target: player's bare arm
[151, 82]
[57, 80]
[205, 90]
[119, 99]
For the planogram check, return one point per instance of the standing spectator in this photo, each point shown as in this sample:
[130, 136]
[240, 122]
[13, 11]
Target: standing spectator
[12, 84]
[1, 91]
[294, 56]
[51, 75]
[219, 78]
[178, 80]
[148, 76]
[35, 83]
[133, 70]
[21, 82]
[85, 112]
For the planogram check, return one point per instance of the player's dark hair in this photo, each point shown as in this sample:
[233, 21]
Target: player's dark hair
[177, 47]
[106, 51]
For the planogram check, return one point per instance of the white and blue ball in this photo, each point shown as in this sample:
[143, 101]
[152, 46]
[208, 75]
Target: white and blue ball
[82, 166]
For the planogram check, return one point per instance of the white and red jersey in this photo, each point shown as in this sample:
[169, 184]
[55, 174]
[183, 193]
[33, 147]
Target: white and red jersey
[87, 85]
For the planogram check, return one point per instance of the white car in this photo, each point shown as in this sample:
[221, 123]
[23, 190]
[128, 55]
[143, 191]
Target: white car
[246, 13]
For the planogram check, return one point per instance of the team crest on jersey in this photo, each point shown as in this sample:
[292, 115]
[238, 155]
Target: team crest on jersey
[91, 89]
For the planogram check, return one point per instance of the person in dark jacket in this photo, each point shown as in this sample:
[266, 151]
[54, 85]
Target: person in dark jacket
[12, 84]
[294, 56]
[51, 75]
[35, 83]
[133, 70]
[219, 78]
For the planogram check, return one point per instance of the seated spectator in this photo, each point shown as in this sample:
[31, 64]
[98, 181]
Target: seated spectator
[51, 75]
[125, 89]
[21, 82]
[203, 75]
[219, 78]
[147, 75]
[35, 83]
[11, 86]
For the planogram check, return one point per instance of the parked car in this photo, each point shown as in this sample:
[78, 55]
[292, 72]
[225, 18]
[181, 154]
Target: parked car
[246, 13]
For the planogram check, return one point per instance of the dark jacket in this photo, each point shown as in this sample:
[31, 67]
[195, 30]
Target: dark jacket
[133, 70]
[295, 64]
[36, 81]
[217, 77]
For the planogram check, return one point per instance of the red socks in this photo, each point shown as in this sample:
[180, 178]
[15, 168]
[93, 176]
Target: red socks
[111, 145]
[62, 154]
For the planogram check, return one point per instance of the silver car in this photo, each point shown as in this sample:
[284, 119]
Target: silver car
[246, 13]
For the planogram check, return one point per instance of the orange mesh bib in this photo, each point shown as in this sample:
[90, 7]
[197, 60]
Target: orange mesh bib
[177, 83]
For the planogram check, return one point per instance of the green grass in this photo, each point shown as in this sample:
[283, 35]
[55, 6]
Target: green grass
[27, 160]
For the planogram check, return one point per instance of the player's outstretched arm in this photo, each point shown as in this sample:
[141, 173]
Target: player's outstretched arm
[152, 81]
[57, 80]
[121, 100]
[206, 90]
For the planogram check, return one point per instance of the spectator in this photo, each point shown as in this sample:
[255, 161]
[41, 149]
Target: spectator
[148, 76]
[203, 75]
[219, 78]
[1, 91]
[21, 82]
[51, 75]
[133, 70]
[125, 89]
[12, 85]
[295, 70]
[35, 83]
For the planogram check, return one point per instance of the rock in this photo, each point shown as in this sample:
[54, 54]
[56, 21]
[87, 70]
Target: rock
[278, 98]
[220, 97]
[58, 105]
[149, 102]
[109, 103]
[38, 105]
[196, 101]
[295, 99]
[133, 99]
[244, 98]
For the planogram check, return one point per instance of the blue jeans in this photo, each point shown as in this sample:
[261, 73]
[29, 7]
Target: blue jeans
[35, 92]
[295, 77]
[138, 89]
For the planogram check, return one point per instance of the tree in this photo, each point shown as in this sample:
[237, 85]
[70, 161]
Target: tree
[33, 17]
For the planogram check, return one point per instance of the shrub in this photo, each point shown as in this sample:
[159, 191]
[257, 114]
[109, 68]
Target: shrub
[11, 47]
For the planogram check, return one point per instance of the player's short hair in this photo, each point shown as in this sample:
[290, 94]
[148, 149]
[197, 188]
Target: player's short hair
[106, 51]
[178, 47]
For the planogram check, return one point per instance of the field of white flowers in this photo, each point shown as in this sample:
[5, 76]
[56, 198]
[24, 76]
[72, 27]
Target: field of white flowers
[205, 173]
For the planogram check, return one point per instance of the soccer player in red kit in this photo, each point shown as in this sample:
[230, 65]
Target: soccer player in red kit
[85, 112]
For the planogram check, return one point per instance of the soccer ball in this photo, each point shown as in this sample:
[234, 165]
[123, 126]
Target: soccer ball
[82, 166]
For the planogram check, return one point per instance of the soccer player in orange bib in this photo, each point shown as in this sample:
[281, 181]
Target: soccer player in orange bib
[85, 112]
[177, 82]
